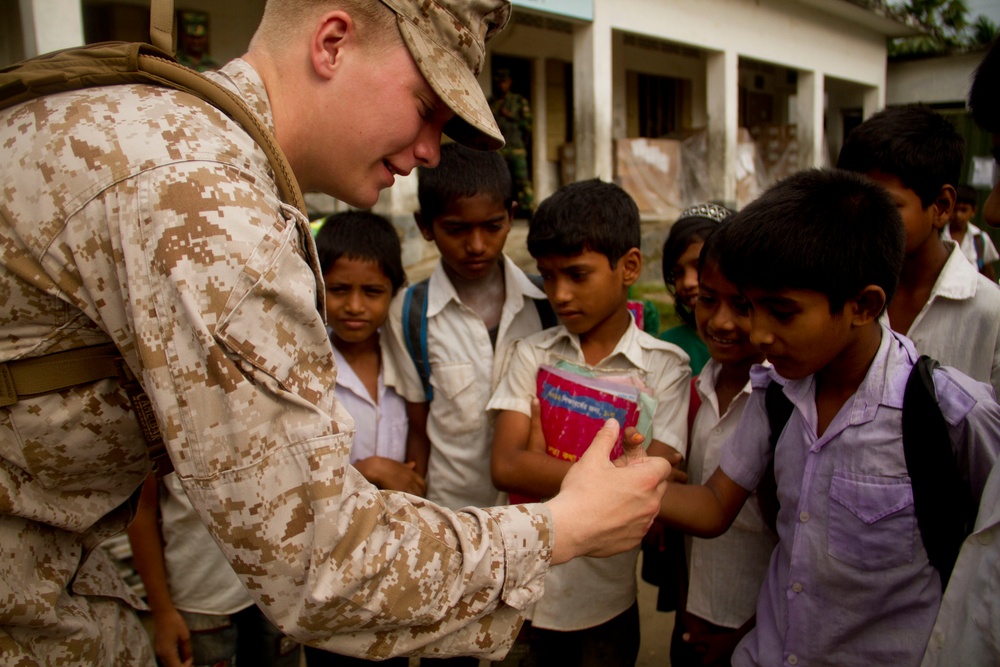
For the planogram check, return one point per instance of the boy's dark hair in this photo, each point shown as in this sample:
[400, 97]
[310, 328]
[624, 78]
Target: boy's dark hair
[829, 231]
[586, 215]
[690, 227]
[984, 95]
[966, 194]
[913, 143]
[361, 235]
[462, 172]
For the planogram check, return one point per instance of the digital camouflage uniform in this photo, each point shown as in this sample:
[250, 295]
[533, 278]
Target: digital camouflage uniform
[513, 116]
[143, 216]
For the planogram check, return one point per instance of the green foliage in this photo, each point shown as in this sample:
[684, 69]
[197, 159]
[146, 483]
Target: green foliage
[947, 25]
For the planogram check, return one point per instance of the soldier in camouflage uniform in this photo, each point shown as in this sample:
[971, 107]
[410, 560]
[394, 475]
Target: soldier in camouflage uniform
[192, 47]
[513, 116]
[145, 217]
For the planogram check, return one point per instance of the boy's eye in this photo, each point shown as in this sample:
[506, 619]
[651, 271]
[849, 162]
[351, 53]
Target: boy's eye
[741, 306]
[375, 291]
[782, 315]
[706, 299]
[337, 289]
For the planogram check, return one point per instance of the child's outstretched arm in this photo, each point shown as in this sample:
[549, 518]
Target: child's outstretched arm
[703, 510]
[518, 469]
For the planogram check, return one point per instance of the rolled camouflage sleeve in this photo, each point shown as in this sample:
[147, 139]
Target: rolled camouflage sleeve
[222, 293]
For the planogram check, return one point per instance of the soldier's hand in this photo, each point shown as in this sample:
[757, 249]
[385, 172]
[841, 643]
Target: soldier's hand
[603, 509]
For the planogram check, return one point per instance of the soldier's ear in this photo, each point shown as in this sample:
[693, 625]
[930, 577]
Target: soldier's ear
[331, 39]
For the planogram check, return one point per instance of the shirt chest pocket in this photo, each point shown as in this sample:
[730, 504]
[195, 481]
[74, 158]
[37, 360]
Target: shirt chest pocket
[458, 404]
[872, 523]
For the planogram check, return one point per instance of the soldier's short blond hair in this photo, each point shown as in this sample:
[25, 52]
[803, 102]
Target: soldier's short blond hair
[283, 20]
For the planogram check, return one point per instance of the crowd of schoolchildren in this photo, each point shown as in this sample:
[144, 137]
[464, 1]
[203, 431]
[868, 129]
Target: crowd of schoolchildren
[825, 473]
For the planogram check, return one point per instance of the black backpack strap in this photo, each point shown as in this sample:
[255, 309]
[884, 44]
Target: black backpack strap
[779, 411]
[942, 499]
[415, 332]
[544, 308]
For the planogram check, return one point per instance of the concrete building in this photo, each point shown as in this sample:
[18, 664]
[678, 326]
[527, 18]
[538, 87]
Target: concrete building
[601, 75]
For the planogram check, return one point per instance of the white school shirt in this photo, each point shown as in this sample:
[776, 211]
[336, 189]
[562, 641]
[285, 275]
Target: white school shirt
[463, 376]
[725, 573]
[200, 579]
[966, 631]
[380, 428]
[586, 592]
[960, 323]
[968, 245]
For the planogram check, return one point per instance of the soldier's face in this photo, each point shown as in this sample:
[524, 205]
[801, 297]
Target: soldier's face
[385, 119]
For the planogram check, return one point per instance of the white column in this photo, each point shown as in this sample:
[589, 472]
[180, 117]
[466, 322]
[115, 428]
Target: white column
[874, 101]
[722, 92]
[540, 176]
[809, 123]
[592, 99]
[48, 25]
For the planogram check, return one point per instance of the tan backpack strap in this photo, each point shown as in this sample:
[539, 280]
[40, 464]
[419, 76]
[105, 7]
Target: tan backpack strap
[161, 25]
[174, 75]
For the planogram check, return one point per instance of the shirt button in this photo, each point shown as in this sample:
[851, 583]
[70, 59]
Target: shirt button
[985, 538]
[797, 587]
[793, 660]
[716, 430]
[803, 516]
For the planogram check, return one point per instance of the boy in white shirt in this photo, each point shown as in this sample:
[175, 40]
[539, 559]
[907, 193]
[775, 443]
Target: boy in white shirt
[975, 244]
[586, 238]
[477, 303]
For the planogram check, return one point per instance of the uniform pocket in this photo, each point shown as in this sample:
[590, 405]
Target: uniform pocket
[458, 398]
[872, 523]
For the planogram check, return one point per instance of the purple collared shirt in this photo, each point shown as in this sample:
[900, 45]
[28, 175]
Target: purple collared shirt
[849, 582]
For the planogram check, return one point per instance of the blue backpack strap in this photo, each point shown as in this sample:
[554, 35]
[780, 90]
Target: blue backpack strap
[980, 246]
[415, 332]
[544, 308]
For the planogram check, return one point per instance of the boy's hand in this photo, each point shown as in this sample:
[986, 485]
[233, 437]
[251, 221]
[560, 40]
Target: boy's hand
[603, 509]
[392, 475]
[632, 444]
[172, 639]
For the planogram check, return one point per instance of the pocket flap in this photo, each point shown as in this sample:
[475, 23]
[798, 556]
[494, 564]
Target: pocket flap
[871, 500]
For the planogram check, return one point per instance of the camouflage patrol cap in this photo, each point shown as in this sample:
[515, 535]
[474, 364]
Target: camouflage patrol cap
[447, 39]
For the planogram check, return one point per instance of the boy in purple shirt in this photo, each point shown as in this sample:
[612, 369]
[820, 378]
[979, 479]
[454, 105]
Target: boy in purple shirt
[817, 257]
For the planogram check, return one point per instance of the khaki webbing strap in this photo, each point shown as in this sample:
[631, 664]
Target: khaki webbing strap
[161, 25]
[135, 62]
[173, 75]
[24, 378]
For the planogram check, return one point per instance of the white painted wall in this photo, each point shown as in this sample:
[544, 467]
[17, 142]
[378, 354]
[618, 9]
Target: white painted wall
[931, 80]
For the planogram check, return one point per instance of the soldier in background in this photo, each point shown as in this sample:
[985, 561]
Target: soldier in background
[513, 117]
[192, 47]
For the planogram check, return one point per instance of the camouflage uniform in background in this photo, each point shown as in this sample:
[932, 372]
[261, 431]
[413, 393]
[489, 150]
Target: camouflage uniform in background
[143, 216]
[192, 47]
[513, 116]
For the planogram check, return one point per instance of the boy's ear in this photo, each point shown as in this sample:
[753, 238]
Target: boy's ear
[632, 266]
[945, 205]
[869, 304]
[333, 31]
[427, 231]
